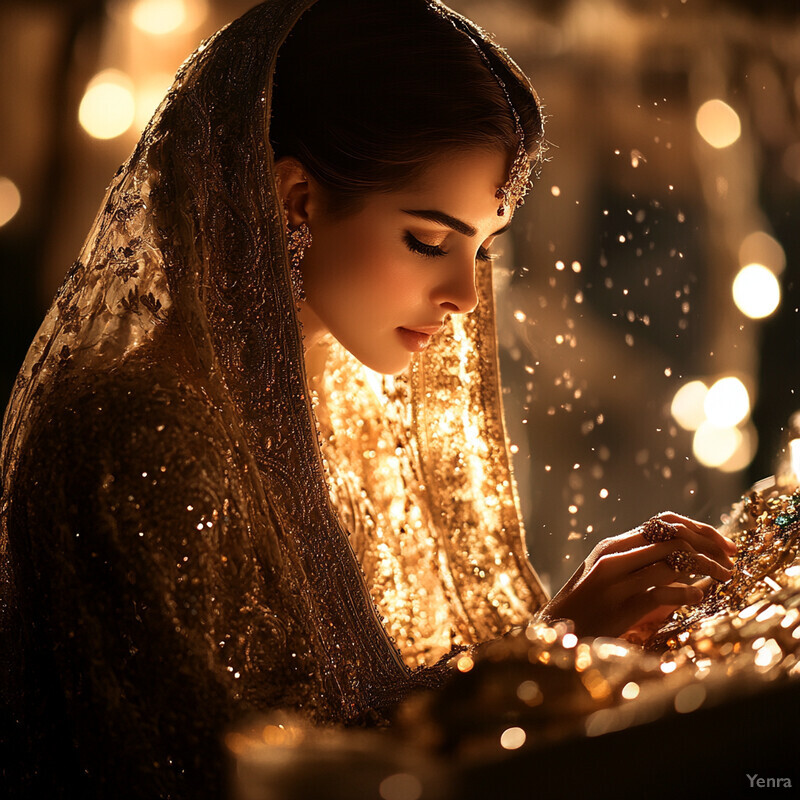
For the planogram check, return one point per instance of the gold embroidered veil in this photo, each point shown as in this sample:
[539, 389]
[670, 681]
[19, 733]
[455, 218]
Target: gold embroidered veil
[181, 541]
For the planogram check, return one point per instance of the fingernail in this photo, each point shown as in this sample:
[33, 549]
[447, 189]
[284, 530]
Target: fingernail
[730, 544]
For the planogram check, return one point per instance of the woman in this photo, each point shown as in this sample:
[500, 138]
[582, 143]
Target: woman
[210, 506]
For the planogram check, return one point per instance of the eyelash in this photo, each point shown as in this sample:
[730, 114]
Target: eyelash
[433, 251]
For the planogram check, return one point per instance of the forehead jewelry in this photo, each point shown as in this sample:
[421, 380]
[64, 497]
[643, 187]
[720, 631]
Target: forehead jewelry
[512, 192]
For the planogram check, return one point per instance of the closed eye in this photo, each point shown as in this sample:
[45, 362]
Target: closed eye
[434, 251]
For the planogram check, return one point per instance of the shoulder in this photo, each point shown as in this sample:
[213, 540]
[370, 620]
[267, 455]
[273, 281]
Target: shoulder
[113, 421]
[124, 454]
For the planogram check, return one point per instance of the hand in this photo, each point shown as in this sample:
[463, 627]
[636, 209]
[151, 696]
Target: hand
[625, 586]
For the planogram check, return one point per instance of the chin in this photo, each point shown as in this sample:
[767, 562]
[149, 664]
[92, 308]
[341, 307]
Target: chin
[386, 365]
[388, 361]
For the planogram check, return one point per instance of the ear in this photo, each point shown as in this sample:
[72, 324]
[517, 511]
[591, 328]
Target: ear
[294, 189]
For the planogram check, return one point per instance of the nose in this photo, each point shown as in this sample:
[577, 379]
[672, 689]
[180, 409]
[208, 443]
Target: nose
[457, 293]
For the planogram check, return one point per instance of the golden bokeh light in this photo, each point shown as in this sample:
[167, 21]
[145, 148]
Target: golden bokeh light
[162, 17]
[756, 291]
[759, 247]
[713, 446]
[400, 786]
[530, 693]
[107, 109]
[744, 453]
[690, 698]
[727, 403]
[630, 691]
[465, 663]
[512, 738]
[687, 405]
[149, 95]
[10, 200]
[718, 123]
[158, 17]
[794, 456]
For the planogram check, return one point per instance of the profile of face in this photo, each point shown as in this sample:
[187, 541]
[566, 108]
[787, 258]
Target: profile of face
[383, 280]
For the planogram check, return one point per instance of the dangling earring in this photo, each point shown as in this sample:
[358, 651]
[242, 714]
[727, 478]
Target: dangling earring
[299, 240]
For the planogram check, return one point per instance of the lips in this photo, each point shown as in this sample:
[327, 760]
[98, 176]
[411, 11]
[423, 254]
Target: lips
[430, 330]
[416, 339]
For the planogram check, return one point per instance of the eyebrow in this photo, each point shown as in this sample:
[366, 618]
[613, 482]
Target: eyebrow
[452, 222]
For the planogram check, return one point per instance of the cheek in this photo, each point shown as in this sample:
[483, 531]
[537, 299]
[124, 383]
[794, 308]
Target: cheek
[378, 272]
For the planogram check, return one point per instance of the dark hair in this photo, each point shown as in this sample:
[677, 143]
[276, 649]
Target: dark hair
[368, 92]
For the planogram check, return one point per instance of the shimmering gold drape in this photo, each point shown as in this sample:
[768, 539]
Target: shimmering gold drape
[171, 555]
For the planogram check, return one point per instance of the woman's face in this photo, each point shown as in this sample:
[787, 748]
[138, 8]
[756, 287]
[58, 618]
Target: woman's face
[383, 280]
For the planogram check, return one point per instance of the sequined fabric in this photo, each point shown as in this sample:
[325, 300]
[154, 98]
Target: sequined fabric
[406, 458]
[171, 557]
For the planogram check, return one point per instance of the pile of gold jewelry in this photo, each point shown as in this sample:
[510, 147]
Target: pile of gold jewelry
[766, 575]
[544, 684]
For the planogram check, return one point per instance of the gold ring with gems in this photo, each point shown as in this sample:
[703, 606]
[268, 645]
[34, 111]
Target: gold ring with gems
[656, 530]
[682, 561]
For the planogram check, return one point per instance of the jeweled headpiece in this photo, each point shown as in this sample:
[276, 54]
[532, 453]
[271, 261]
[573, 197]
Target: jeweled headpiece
[513, 191]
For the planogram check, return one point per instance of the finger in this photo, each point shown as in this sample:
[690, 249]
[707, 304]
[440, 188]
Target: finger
[614, 566]
[703, 544]
[696, 563]
[658, 574]
[698, 542]
[705, 584]
[696, 533]
[670, 597]
[708, 531]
